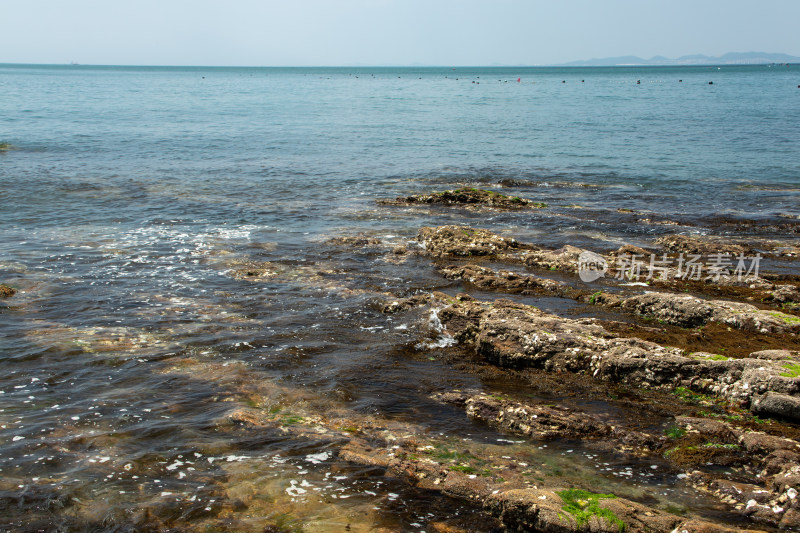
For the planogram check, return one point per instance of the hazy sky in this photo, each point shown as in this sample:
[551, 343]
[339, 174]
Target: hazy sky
[387, 32]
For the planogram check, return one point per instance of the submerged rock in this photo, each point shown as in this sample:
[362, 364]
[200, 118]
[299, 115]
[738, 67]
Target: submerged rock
[354, 240]
[535, 421]
[6, 291]
[547, 510]
[528, 509]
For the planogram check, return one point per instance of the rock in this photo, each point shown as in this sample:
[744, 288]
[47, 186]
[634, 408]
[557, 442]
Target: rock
[690, 311]
[504, 280]
[6, 291]
[360, 453]
[355, 240]
[535, 421]
[518, 336]
[564, 259]
[629, 249]
[756, 442]
[776, 355]
[680, 310]
[791, 519]
[773, 404]
[468, 197]
[463, 241]
[779, 461]
[404, 304]
[543, 510]
[700, 246]
[786, 294]
[720, 431]
[789, 479]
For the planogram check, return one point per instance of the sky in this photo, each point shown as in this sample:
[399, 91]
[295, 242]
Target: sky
[387, 32]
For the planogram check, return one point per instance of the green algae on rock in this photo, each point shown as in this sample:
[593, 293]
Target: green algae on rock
[583, 505]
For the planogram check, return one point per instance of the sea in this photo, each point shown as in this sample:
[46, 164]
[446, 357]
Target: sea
[174, 238]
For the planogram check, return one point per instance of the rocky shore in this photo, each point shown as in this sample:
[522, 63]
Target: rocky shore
[715, 359]
[641, 400]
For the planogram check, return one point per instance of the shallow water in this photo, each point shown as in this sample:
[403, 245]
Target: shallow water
[133, 196]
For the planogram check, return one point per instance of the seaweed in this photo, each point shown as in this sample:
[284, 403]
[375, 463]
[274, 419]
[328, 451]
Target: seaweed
[583, 505]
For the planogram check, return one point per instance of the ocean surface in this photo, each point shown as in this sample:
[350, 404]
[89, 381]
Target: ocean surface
[132, 196]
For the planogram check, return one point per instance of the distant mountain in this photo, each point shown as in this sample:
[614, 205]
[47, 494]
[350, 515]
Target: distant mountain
[732, 58]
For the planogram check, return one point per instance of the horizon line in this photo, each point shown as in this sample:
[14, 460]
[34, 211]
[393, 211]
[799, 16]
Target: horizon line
[559, 65]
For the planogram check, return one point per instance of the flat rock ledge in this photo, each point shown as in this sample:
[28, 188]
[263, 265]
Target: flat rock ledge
[506, 280]
[682, 310]
[690, 311]
[454, 242]
[770, 497]
[513, 335]
[545, 422]
[528, 509]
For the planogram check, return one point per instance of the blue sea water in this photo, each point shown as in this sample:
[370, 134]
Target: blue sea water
[131, 194]
[238, 132]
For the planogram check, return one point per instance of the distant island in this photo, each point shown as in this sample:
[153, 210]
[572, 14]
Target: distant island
[732, 58]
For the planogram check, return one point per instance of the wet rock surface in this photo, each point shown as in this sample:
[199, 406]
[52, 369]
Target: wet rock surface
[544, 510]
[464, 241]
[700, 246]
[691, 311]
[763, 382]
[769, 494]
[354, 240]
[504, 280]
[534, 421]
[467, 197]
[528, 508]
[716, 423]
[6, 291]
[513, 335]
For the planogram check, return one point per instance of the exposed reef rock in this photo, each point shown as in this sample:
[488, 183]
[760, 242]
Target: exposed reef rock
[468, 197]
[514, 335]
[690, 311]
[504, 280]
[700, 246]
[463, 241]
